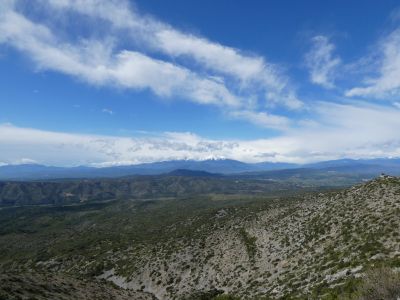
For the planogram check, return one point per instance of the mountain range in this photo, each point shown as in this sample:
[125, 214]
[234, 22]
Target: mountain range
[221, 166]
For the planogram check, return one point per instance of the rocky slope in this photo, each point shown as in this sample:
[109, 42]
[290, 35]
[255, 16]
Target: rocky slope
[317, 245]
[297, 248]
[39, 286]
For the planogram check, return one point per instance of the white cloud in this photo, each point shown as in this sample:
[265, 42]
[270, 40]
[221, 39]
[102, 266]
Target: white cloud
[169, 40]
[221, 76]
[95, 62]
[107, 111]
[321, 62]
[24, 161]
[165, 38]
[262, 119]
[385, 84]
[223, 59]
[165, 79]
[117, 12]
[353, 131]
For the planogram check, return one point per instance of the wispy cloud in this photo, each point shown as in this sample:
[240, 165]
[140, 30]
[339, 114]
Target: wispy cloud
[218, 75]
[166, 39]
[262, 119]
[107, 111]
[95, 62]
[322, 62]
[385, 82]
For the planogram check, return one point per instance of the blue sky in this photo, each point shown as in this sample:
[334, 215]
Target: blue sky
[104, 83]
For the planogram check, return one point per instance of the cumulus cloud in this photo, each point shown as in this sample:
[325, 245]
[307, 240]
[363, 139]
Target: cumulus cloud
[352, 130]
[321, 62]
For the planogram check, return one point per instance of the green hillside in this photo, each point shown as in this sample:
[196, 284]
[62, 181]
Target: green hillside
[316, 245]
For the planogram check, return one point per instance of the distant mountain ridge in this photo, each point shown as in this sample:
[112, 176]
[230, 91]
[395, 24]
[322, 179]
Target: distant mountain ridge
[218, 166]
